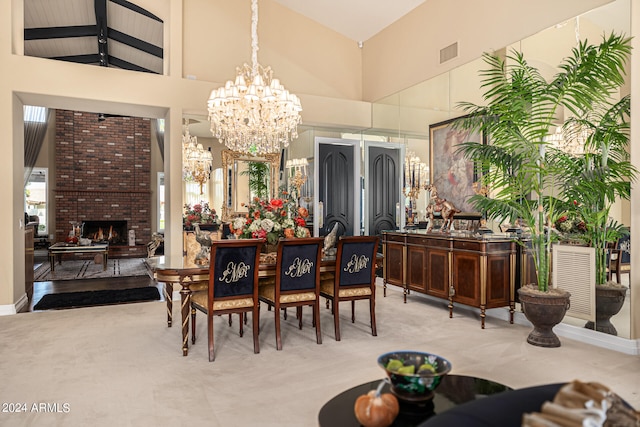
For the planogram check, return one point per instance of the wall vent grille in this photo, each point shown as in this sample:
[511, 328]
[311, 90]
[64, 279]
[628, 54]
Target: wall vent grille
[574, 271]
[449, 52]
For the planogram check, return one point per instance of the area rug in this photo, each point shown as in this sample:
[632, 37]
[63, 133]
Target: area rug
[88, 269]
[102, 297]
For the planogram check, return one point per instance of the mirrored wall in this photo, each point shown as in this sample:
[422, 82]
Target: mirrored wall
[407, 115]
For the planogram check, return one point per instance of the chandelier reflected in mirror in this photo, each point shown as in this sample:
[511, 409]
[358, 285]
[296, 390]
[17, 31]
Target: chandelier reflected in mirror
[254, 114]
[196, 161]
[570, 138]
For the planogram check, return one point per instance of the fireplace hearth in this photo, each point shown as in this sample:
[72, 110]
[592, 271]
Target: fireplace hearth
[112, 232]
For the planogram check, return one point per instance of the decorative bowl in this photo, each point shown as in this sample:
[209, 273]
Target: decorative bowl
[419, 374]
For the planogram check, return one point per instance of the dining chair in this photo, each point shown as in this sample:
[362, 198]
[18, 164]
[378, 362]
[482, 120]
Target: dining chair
[297, 282]
[620, 262]
[233, 287]
[354, 277]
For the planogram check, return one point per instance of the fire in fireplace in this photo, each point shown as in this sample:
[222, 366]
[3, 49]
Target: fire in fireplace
[113, 232]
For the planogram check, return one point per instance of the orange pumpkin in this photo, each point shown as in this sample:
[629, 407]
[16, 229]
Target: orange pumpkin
[376, 409]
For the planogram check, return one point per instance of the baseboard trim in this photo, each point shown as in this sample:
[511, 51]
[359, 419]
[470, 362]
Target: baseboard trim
[22, 303]
[587, 336]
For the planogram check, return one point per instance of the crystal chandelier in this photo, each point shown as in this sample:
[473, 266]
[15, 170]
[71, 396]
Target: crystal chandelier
[196, 161]
[254, 114]
[571, 139]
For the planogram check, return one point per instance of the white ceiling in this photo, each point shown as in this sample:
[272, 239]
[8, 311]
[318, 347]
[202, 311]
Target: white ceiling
[358, 20]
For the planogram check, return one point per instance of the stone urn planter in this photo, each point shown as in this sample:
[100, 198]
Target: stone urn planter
[544, 310]
[609, 301]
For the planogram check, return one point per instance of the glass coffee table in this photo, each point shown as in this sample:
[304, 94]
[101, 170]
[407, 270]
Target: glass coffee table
[58, 249]
[453, 390]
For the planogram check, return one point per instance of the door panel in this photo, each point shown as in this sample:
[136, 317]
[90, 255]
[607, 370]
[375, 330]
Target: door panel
[383, 188]
[336, 165]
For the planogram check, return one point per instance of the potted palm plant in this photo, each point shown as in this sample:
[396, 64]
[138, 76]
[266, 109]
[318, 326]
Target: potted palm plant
[521, 167]
[599, 173]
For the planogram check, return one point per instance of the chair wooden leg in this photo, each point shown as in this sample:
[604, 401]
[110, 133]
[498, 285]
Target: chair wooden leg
[336, 318]
[193, 325]
[316, 321]
[276, 311]
[241, 324]
[353, 311]
[299, 316]
[212, 354]
[230, 321]
[246, 320]
[285, 314]
[256, 329]
[372, 308]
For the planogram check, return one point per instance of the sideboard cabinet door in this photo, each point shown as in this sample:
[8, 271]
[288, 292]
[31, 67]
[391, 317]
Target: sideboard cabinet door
[438, 272]
[394, 262]
[416, 272]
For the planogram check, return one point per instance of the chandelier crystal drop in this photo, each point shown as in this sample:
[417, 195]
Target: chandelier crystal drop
[196, 161]
[254, 114]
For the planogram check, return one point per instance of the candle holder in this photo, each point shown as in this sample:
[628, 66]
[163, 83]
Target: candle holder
[415, 176]
[412, 193]
[298, 181]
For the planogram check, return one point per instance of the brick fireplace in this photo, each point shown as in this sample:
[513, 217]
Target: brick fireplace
[103, 173]
[113, 232]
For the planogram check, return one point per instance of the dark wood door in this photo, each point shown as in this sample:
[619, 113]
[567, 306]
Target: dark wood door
[335, 167]
[383, 189]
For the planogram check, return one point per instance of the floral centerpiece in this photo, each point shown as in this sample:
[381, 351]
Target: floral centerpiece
[199, 213]
[272, 219]
[571, 226]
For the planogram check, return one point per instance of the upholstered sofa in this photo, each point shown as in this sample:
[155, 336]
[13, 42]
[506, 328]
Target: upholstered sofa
[543, 404]
[32, 221]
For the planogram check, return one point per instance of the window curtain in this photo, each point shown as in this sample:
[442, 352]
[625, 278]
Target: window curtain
[158, 125]
[35, 129]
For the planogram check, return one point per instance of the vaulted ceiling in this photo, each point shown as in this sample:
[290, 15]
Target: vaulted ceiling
[108, 33]
[117, 33]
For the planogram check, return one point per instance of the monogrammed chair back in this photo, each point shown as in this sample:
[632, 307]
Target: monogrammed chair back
[234, 268]
[298, 264]
[355, 265]
[233, 287]
[354, 278]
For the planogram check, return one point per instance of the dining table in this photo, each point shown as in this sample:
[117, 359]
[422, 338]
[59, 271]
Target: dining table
[191, 277]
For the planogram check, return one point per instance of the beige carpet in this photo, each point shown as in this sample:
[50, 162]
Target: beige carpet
[121, 365]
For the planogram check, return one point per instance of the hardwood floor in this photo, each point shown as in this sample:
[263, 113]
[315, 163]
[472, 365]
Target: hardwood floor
[59, 286]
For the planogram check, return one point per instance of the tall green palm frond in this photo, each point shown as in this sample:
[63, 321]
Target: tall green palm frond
[529, 180]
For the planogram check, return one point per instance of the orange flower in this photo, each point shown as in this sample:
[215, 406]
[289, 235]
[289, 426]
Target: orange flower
[276, 203]
[289, 233]
[303, 212]
[256, 215]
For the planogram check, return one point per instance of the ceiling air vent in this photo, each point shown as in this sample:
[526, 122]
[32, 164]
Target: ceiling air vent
[449, 52]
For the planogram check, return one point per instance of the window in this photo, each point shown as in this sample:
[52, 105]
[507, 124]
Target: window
[35, 114]
[218, 189]
[35, 198]
[192, 194]
[161, 202]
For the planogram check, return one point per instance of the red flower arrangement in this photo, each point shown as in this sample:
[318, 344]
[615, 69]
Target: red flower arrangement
[200, 213]
[272, 219]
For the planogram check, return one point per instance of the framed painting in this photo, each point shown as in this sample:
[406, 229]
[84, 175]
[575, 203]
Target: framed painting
[450, 172]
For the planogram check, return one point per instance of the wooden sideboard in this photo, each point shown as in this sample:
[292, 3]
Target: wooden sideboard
[475, 271]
